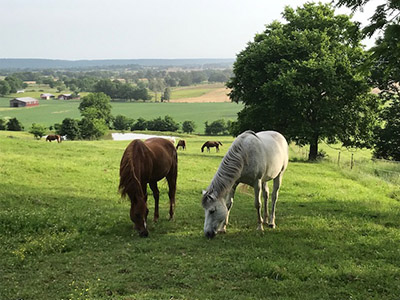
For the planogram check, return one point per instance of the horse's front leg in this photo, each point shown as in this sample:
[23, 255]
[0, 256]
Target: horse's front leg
[156, 195]
[229, 204]
[257, 203]
[265, 192]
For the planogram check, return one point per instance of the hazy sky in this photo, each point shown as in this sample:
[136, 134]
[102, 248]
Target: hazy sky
[111, 29]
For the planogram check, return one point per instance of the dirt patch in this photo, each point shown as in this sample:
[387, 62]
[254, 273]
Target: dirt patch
[217, 95]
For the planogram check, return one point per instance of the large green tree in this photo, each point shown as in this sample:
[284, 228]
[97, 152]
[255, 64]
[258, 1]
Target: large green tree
[385, 65]
[303, 78]
[96, 106]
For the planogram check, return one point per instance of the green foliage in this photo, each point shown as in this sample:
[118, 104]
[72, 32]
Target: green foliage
[15, 83]
[70, 128]
[124, 91]
[305, 79]
[166, 124]
[140, 124]
[188, 126]
[38, 130]
[3, 124]
[14, 125]
[166, 95]
[92, 129]
[217, 127]
[387, 138]
[4, 87]
[96, 106]
[122, 123]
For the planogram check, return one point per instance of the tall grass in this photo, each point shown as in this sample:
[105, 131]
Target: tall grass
[66, 234]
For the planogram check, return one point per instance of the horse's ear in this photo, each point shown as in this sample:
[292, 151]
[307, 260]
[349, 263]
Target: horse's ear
[203, 192]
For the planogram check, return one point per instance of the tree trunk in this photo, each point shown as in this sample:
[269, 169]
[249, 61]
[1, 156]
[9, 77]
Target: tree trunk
[313, 149]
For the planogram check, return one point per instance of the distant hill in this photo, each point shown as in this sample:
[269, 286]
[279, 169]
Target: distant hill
[22, 63]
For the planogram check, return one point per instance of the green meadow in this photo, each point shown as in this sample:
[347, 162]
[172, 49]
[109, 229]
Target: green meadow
[50, 112]
[66, 234]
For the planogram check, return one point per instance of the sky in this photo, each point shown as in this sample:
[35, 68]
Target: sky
[133, 29]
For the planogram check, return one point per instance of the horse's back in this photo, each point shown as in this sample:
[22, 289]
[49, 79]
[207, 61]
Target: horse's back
[164, 155]
[268, 152]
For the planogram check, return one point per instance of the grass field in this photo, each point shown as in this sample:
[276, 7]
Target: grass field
[50, 112]
[66, 234]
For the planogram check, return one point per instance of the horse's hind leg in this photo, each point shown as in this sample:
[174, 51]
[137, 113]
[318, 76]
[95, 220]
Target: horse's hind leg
[265, 192]
[275, 192]
[257, 203]
[171, 178]
[156, 195]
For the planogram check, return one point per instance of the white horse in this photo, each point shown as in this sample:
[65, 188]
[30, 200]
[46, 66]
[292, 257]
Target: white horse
[253, 159]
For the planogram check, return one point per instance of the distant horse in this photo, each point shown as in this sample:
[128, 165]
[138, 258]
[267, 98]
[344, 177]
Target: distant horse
[253, 159]
[210, 144]
[181, 143]
[146, 163]
[53, 137]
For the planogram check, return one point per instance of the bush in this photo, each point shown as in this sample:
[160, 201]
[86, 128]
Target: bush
[3, 124]
[218, 127]
[69, 128]
[166, 124]
[188, 126]
[92, 129]
[141, 124]
[14, 125]
[37, 130]
[123, 123]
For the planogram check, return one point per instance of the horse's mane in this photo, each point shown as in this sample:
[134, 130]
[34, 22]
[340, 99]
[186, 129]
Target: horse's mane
[128, 173]
[230, 168]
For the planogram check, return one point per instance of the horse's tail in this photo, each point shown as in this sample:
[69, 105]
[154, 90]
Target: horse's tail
[129, 183]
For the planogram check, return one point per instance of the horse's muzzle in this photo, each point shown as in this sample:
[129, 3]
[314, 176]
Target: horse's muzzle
[209, 234]
[144, 233]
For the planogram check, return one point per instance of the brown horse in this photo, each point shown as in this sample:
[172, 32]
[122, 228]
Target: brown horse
[146, 163]
[210, 144]
[181, 143]
[53, 137]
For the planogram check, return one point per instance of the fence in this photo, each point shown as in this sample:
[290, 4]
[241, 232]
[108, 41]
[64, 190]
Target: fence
[354, 160]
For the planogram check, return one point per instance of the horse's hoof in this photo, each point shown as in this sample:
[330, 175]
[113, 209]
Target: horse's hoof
[260, 227]
[222, 231]
[271, 226]
[155, 220]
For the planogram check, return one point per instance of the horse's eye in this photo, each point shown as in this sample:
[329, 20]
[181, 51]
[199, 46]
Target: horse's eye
[212, 211]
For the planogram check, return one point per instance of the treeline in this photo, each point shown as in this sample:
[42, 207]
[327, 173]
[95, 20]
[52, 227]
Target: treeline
[11, 84]
[97, 119]
[119, 85]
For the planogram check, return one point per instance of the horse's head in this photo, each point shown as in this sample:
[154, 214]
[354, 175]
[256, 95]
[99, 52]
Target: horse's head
[139, 218]
[215, 213]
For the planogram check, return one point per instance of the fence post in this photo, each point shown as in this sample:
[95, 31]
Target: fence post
[352, 161]
[338, 159]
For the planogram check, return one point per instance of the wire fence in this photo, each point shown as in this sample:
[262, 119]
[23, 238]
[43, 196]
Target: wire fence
[356, 161]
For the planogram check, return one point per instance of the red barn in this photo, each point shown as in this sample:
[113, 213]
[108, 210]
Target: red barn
[24, 102]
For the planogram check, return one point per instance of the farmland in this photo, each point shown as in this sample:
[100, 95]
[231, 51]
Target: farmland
[66, 234]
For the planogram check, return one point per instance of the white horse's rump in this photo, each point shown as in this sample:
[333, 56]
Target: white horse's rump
[253, 159]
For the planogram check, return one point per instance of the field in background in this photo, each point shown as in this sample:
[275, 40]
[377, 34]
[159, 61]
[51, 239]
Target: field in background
[66, 233]
[197, 103]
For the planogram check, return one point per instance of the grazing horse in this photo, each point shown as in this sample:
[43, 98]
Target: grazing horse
[210, 144]
[253, 159]
[53, 137]
[147, 163]
[181, 143]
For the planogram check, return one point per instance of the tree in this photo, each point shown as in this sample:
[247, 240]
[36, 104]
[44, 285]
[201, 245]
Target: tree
[3, 124]
[166, 95]
[384, 62]
[92, 129]
[141, 124]
[166, 124]
[216, 127]
[15, 83]
[70, 128]
[305, 79]
[387, 137]
[37, 130]
[4, 87]
[96, 106]
[14, 125]
[188, 126]
[122, 123]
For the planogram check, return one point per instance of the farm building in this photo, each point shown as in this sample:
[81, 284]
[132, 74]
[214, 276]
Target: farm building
[24, 102]
[47, 96]
[68, 97]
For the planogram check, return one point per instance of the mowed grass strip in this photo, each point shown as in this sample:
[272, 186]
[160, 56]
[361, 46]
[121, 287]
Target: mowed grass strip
[66, 234]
